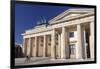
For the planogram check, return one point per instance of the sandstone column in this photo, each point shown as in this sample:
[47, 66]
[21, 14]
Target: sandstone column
[44, 47]
[33, 40]
[35, 48]
[23, 47]
[28, 47]
[64, 44]
[59, 45]
[53, 44]
[85, 45]
[92, 39]
[79, 46]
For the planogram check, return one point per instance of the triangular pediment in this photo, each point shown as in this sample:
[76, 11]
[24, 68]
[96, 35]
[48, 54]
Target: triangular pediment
[71, 13]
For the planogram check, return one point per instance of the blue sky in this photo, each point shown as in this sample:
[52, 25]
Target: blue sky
[26, 17]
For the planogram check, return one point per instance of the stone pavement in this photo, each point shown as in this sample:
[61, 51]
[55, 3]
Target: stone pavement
[46, 60]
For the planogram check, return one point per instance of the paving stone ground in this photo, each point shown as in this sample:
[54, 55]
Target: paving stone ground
[46, 60]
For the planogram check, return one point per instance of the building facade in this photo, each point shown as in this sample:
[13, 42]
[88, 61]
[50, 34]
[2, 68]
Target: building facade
[70, 35]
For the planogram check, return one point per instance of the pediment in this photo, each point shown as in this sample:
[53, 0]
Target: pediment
[70, 13]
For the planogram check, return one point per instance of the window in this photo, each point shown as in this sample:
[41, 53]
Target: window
[71, 34]
[72, 49]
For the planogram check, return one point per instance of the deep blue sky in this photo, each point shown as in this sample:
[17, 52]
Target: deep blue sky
[26, 17]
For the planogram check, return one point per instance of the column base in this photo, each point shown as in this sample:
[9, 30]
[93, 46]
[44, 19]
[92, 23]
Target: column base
[44, 56]
[80, 59]
[52, 59]
[63, 59]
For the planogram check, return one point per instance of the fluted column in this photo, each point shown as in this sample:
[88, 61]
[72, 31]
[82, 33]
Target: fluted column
[44, 47]
[64, 44]
[33, 45]
[85, 45]
[92, 39]
[79, 46]
[23, 47]
[67, 49]
[59, 45]
[28, 46]
[53, 44]
[35, 48]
